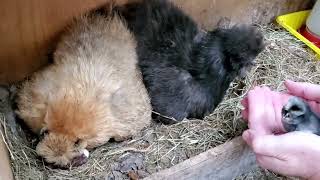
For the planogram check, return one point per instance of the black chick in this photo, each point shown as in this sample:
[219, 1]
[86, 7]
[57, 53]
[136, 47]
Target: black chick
[298, 116]
[187, 71]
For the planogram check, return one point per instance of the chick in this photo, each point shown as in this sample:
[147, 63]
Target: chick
[92, 92]
[298, 116]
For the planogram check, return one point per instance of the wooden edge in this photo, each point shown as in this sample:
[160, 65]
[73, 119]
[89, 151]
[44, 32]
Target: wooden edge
[226, 161]
[5, 166]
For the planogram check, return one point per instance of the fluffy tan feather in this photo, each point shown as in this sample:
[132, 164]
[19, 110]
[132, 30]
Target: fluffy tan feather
[92, 92]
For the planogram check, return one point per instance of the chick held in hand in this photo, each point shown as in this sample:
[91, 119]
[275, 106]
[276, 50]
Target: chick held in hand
[298, 116]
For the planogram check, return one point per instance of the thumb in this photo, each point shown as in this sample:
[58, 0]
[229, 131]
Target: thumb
[272, 164]
[304, 90]
[270, 153]
[249, 135]
[269, 145]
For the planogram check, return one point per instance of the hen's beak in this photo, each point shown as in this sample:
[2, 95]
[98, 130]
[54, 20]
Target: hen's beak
[245, 70]
[43, 133]
[81, 159]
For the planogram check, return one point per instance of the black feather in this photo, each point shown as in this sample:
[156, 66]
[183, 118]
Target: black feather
[186, 71]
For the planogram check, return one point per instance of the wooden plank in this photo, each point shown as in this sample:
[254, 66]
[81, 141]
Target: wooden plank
[5, 166]
[29, 28]
[223, 162]
[208, 12]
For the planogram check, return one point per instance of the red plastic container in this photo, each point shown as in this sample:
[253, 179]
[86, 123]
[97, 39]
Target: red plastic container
[304, 31]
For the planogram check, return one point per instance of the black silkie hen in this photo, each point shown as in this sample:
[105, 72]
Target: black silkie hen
[187, 71]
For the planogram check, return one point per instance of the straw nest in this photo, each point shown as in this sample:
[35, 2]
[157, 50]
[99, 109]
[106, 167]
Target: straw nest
[164, 146]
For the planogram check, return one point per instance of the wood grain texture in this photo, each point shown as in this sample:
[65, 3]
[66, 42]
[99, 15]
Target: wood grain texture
[208, 12]
[223, 162]
[29, 28]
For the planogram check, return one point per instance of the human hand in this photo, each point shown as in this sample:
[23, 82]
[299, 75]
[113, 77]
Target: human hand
[291, 154]
[260, 100]
[309, 92]
[263, 110]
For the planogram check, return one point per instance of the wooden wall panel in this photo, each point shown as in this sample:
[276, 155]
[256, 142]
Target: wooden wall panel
[208, 12]
[28, 27]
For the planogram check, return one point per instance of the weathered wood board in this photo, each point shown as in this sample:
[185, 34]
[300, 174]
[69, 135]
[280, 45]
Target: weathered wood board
[223, 162]
[5, 169]
[28, 28]
[208, 12]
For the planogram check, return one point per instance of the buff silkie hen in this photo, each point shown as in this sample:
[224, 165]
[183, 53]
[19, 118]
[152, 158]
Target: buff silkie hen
[92, 92]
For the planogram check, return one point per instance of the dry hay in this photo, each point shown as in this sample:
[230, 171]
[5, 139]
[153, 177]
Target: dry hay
[262, 175]
[164, 146]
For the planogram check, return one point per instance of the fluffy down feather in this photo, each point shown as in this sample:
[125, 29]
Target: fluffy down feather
[92, 92]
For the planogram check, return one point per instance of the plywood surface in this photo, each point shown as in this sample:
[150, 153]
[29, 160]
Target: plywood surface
[28, 28]
[209, 12]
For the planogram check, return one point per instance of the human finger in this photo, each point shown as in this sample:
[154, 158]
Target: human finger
[304, 90]
[260, 112]
[278, 165]
[268, 145]
[244, 114]
[256, 100]
[244, 102]
[278, 101]
[246, 137]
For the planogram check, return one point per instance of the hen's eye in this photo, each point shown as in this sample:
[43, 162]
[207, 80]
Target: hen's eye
[77, 142]
[44, 132]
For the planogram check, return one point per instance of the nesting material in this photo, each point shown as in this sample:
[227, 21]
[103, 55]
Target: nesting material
[164, 146]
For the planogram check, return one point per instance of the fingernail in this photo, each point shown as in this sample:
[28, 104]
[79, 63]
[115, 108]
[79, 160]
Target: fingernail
[247, 137]
[244, 115]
